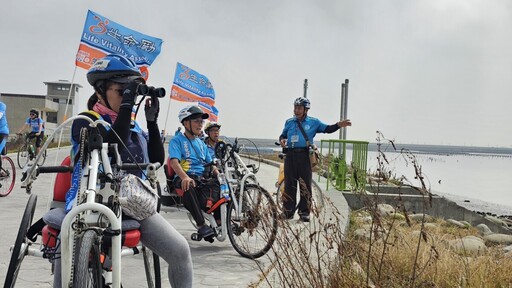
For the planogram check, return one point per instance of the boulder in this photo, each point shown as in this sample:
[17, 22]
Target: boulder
[468, 244]
[484, 229]
[498, 239]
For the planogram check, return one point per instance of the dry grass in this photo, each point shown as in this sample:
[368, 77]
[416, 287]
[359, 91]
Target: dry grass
[398, 253]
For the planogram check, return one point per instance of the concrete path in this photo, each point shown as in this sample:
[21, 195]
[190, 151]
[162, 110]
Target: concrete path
[215, 265]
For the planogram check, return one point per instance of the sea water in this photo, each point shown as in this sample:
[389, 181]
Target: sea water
[479, 182]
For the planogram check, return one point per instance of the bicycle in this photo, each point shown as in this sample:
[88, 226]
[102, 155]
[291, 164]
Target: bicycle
[7, 176]
[27, 151]
[249, 217]
[317, 197]
[89, 227]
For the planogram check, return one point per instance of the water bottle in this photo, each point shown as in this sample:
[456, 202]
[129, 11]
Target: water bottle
[32, 151]
[224, 188]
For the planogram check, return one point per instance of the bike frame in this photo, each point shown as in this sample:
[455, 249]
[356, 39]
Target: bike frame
[90, 211]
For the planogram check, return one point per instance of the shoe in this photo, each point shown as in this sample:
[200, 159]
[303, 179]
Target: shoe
[304, 218]
[206, 231]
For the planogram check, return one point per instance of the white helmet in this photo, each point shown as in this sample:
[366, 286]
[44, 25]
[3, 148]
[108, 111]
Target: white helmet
[191, 111]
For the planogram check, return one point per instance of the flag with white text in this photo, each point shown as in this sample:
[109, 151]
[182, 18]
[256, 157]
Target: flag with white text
[102, 36]
[190, 86]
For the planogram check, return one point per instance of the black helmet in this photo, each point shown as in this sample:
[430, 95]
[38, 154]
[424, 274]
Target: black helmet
[34, 111]
[190, 111]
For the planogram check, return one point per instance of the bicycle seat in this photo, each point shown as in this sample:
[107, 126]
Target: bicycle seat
[55, 216]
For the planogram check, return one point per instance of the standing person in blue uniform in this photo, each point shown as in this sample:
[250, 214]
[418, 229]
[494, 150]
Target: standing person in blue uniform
[212, 129]
[4, 133]
[37, 125]
[189, 156]
[296, 163]
[115, 80]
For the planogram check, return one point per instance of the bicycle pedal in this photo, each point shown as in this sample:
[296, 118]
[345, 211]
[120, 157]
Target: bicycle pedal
[196, 237]
[209, 239]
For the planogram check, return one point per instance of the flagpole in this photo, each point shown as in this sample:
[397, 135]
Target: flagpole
[167, 116]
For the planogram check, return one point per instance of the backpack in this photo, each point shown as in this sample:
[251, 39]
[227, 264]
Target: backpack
[39, 122]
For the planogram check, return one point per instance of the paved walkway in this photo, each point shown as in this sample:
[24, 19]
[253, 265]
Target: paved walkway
[215, 265]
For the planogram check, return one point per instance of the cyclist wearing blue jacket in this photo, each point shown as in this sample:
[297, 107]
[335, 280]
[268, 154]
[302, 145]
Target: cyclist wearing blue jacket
[4, 132]
[115, 80]
[189, 155]
[36, 125]
[296, 163]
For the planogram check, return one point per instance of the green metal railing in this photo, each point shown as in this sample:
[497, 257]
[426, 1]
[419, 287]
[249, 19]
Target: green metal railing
[343, 175]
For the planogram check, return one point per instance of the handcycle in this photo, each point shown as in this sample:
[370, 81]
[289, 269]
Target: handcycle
[317, 197]
[27, 151]
[92, 236]
[248, 215]
[7, 176]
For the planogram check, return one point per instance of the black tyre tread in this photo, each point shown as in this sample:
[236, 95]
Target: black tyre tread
[86, 246]
[271, 239]
[18, 156]
[16, 256]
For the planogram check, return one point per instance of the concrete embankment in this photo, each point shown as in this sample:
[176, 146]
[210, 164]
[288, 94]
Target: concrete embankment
[414, 202]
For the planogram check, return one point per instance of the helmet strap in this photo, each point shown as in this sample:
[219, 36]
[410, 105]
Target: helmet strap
[189, 129]
[101, 89]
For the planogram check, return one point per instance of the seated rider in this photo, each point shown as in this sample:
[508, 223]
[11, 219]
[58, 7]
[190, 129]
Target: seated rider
[36, 124]
[115, 80]
[189, 155]
[212, 129]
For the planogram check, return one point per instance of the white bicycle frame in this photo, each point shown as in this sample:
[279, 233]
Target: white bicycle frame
[232, 182]
[92, 209]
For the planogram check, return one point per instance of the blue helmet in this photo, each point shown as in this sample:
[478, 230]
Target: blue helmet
[115, 68]
[302, 101]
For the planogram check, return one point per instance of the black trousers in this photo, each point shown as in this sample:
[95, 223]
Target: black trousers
[195, 199]
[297, 166]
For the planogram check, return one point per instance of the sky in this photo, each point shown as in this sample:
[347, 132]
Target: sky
[421, 71]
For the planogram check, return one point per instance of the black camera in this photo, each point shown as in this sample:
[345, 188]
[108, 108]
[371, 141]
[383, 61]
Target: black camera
[144, 89]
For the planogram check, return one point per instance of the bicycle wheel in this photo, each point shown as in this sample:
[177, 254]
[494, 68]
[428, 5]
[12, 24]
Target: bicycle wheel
[152, 268]
[9, 176]
[88, 269]
[253, 229]
[317, 199]
[43, 158]
[22, 244]
[22, 155]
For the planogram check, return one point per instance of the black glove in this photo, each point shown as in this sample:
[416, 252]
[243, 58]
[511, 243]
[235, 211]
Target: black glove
[129, 94]
[152, 107]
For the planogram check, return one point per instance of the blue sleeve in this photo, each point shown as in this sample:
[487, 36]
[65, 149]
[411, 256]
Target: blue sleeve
[321, 127]
[175, 149]
[284, 134]
[27, 121]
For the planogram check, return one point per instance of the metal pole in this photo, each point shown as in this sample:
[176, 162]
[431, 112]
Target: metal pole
[341, 108]
[345, 109]
[305, 88]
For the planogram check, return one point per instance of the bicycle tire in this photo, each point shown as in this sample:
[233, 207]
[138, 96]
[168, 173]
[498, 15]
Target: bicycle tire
[19, 250]
[43, 159]
[88, 268]
[22, 156]
[7, 182]
[317, 196]
[253, 232]
[152, 268]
